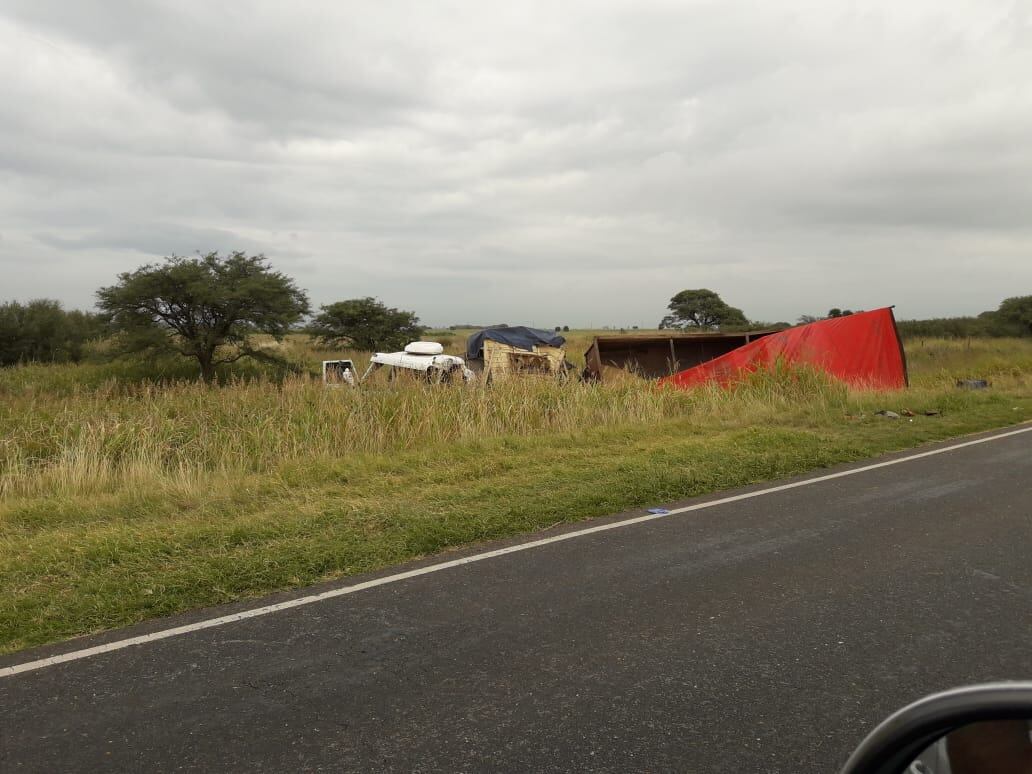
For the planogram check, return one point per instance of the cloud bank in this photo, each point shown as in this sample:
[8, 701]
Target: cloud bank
[544, 163]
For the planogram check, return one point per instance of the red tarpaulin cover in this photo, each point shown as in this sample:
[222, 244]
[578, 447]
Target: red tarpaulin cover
[862, 349]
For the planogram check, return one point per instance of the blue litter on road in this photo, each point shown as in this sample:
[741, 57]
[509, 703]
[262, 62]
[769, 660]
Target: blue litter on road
[659, 511]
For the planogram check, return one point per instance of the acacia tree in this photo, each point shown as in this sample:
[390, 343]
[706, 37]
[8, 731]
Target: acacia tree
[366, 324]
[701, 309]
[207, 308]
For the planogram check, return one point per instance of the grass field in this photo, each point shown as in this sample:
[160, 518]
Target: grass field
[127, 492]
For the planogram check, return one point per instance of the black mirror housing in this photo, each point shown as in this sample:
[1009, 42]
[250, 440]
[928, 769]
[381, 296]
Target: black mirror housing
[898, 740]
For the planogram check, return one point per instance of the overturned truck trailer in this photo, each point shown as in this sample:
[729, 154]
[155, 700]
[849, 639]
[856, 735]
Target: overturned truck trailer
[863, 350]
[657, 355]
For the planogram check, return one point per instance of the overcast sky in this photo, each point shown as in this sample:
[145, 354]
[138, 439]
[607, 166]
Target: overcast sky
[543, 163]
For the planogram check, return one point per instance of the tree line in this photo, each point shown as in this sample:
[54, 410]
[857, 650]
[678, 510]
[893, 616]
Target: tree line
[212, 307]
[1012, 318]
[703, 309]
[209, 309]
[41, 331]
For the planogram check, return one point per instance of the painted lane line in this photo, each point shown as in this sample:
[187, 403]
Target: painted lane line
[31, 666]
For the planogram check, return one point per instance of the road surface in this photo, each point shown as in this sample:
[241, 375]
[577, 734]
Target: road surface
[764, 634]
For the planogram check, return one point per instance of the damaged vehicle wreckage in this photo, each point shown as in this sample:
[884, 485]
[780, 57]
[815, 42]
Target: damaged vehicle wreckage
[423, 359]
[493, 355]
[863, 349]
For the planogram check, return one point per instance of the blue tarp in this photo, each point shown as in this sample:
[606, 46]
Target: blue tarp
[515, 336]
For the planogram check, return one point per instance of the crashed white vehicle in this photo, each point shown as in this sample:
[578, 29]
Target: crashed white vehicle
[426, 357]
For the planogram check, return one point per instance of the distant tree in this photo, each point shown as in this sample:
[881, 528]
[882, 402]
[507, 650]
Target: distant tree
[558, 328]
[762, 325]
[1017, 312]
[31, 332]
[950, 327]
[836, 312]
[566, 329]
[992, 323]
[366, 324]
[207, 308]
[41, 331]
[702, 309]
[806, 319]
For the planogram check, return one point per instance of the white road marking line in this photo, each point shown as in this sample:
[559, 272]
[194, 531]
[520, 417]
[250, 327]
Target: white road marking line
[75, 655]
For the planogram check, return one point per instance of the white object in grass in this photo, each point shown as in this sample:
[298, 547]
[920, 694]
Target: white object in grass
[424, 348]
[433, 364]
[337, 372]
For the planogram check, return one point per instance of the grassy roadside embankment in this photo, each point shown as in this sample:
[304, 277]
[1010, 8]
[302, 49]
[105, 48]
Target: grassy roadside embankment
[124, 500]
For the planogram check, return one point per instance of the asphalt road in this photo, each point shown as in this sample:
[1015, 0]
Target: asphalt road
[763, 635]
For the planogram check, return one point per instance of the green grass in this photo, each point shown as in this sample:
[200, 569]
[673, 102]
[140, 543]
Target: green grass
[126, 498]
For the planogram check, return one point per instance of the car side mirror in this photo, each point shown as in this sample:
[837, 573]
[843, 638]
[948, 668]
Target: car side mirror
[980, 729]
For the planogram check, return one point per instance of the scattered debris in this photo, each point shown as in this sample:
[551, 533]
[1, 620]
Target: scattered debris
[972, 384]
[932, 413]
[887, 414]
[338, 372]
[907, 412]
[659, 511]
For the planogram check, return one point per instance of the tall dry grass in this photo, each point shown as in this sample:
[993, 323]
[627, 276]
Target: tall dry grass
[58, 436]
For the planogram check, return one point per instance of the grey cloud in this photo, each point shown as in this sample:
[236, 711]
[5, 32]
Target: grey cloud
[786, 154]
[152, 238]
[266, 64]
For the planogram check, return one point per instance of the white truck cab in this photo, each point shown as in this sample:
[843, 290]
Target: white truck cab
[426, 357]
[421, 357]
